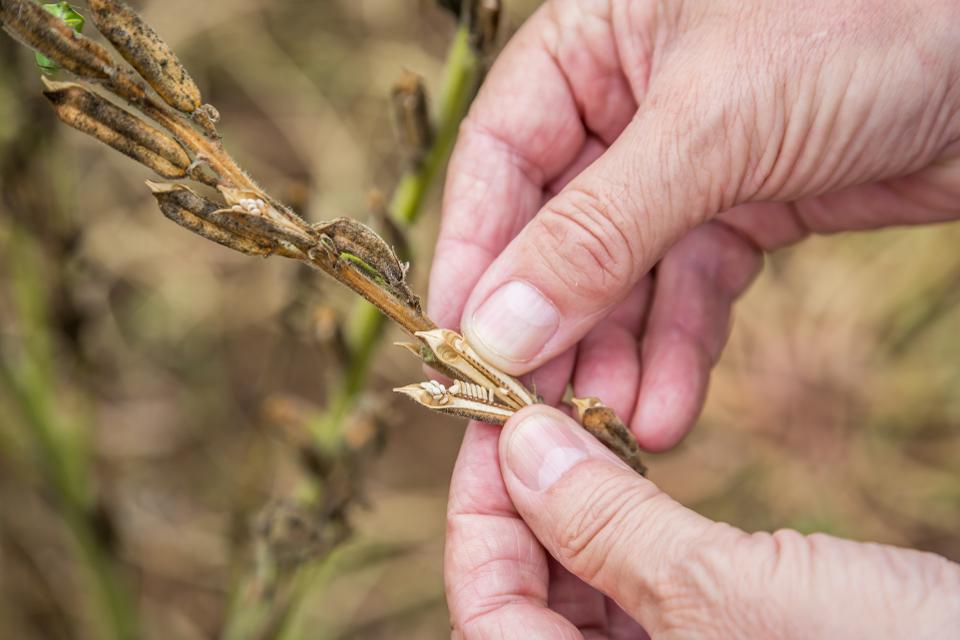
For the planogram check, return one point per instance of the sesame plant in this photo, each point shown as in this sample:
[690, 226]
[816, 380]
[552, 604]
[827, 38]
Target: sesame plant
[141, 101]
[187, 146]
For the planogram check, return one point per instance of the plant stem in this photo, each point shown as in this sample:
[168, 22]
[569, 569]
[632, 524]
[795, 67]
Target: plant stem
[30, 382]
[367, 324]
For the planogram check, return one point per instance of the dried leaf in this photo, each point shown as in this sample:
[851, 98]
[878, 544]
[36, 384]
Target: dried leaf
[146, 52]
[127, 133]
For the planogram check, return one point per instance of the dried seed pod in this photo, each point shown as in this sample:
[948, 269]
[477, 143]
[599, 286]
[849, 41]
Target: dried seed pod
[74, 20]
[254, 215]
[435, 396]
[411, 117]
[453, 6]
[483, 21]
[357, 246]
[206, 116]
[606, 427]
[146, 52]
[31, 24]
[127, 133]
[452, 350]
[193, 212]
[291, 533]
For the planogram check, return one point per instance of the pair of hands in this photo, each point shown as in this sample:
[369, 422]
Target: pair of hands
[695, 135]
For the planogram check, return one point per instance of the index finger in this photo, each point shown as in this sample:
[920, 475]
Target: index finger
[547, 91]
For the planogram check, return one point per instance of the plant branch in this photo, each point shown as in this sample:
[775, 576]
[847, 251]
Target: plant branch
[461, 75]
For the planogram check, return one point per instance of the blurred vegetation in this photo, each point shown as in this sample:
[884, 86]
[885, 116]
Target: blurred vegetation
[147, 374]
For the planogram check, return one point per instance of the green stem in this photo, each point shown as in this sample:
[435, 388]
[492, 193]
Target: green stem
[75, 505]
[30, 382]
[367, 324]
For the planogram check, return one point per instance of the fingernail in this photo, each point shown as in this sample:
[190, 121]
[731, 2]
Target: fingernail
[541, 450]
[515, 322]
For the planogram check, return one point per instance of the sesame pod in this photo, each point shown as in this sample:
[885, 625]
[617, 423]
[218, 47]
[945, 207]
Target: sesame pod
[192, 211]
[31, 24]
[74, 20]
[453, 6]
[606, 427]
[254, 215]
[452, 350]
[411, 117]
[483, 22]
[87, 112]
[146, 52]
[359, 247]
[435, 396]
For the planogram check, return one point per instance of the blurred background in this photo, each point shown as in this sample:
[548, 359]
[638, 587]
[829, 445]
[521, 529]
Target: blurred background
[153, 384]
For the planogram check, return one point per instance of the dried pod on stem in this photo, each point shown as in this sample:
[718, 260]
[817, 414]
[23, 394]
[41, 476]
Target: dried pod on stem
[483, 20]
[604, 424]
[476, 402]
[359, 247]
[74, 20]
[129, 134]
[252, 222]
[191, 211]
[29, 23]
[146, 52]
[411, 117]
[452, 350]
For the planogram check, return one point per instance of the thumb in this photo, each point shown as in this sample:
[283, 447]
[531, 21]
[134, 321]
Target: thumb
[682, 575]
[586, 248]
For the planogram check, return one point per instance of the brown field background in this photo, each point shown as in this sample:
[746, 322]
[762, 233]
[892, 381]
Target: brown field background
[836, 407]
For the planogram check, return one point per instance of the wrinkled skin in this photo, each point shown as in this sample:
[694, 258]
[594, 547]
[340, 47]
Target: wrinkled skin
[614, 135]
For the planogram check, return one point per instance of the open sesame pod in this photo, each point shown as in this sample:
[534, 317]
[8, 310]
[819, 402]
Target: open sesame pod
[146, 52]
[464, 400]
[88, 112]
[192, 211]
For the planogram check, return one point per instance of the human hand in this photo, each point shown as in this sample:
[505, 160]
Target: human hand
[607, 130]
[628, 555]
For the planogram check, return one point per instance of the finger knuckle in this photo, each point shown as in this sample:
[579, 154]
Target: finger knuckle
[589, 535]
[694, 594]
[590, 244]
